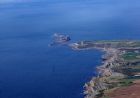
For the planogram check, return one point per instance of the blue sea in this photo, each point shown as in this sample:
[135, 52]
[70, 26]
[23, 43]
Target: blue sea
[29, 68]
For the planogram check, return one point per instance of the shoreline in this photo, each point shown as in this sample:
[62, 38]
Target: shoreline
[98, 84]
[91, 89]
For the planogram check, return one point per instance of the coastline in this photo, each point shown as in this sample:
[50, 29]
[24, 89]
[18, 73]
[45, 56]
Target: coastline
[111, 59]
[96, 84]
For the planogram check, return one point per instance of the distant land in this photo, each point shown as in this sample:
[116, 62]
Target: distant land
[119, 75]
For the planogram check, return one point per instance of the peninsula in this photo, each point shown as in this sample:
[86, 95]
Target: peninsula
[119, 75]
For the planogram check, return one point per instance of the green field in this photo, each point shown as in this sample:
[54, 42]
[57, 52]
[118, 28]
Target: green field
[131, 56]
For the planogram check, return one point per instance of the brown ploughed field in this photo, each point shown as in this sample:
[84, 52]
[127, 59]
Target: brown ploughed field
[132, 91]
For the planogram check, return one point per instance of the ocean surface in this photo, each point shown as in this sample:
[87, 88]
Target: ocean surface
[29, 68]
